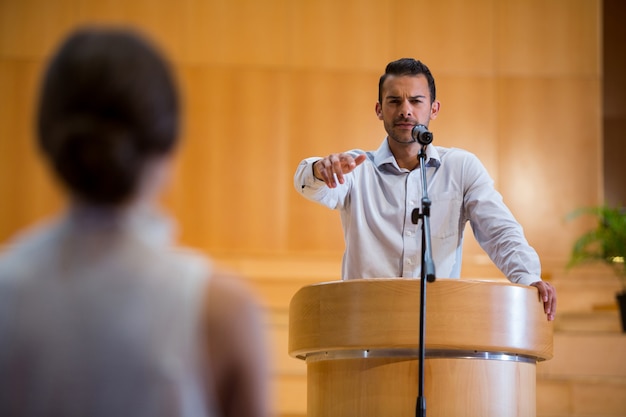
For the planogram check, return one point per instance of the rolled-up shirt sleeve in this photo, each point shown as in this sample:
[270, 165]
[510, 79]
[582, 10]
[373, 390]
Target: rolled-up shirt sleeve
[496, 229]
[316, 190]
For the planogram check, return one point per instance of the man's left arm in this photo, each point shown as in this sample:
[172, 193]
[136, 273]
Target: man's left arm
[501, 236]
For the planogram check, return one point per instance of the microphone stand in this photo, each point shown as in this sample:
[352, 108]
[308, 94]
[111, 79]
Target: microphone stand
[427, 274]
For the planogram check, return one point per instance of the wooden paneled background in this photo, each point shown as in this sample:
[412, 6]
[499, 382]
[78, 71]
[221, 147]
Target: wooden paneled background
[267, 83]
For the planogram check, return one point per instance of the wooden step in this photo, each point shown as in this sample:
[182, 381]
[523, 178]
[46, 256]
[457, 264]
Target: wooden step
[581, 397]
[586, 376]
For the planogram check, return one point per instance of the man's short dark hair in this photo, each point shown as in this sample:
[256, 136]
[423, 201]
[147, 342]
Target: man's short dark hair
[407, 66]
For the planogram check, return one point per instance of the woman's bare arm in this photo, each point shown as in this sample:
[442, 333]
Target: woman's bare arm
[237, 352]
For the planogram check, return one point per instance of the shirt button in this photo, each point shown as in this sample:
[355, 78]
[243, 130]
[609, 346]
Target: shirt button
[409, 261]
[409, 233]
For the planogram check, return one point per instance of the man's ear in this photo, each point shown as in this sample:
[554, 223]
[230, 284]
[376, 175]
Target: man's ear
[434, 109]
[379, 111]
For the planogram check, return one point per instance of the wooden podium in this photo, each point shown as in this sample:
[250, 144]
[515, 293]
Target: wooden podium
[360, 341]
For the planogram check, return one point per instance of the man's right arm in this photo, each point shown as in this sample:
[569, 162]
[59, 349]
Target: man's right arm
[311, 187]
[323, 179]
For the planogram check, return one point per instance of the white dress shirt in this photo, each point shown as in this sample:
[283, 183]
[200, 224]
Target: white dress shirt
[377, 200]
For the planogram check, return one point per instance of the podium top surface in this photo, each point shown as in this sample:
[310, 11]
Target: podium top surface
[384, 313]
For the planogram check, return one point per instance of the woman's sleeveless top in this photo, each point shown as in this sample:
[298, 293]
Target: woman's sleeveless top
[99, 316]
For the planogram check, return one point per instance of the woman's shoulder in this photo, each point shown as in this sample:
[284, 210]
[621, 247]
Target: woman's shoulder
[29, 245]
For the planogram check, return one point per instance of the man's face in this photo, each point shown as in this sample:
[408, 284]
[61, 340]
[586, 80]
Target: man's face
[405, 103]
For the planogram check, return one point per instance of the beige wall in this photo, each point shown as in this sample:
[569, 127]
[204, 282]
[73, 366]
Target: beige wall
[266, 83]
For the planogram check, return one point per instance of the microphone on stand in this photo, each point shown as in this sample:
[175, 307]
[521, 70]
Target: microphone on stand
[420, 134]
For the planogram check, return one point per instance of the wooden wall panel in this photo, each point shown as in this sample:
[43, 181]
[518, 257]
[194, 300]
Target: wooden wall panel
[549, 145]
[32, 28]
[245, 33]
[349, 34]
[163, 20]
[27, 191]
[554, 38]
[242, 128]
[233, 157]
[450, 36]
[468, 117]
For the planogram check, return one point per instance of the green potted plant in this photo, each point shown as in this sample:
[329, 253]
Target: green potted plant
[606, 243]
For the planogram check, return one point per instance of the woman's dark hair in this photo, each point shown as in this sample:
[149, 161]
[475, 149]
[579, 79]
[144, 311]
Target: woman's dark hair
[407, 66]
[108, 105]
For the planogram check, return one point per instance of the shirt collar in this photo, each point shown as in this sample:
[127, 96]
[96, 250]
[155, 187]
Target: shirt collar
[384, 157]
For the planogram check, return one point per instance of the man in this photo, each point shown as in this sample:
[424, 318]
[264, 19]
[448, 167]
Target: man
[376, 193]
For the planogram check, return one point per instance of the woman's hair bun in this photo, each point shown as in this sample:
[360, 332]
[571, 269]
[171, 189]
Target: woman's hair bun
[108, 105]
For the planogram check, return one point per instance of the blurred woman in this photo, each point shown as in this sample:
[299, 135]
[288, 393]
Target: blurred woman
[100, 315]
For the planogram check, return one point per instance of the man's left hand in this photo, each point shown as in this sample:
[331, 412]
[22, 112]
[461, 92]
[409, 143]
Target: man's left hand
[547, 294]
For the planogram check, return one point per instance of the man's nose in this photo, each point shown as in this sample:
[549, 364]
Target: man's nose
[405, 109]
